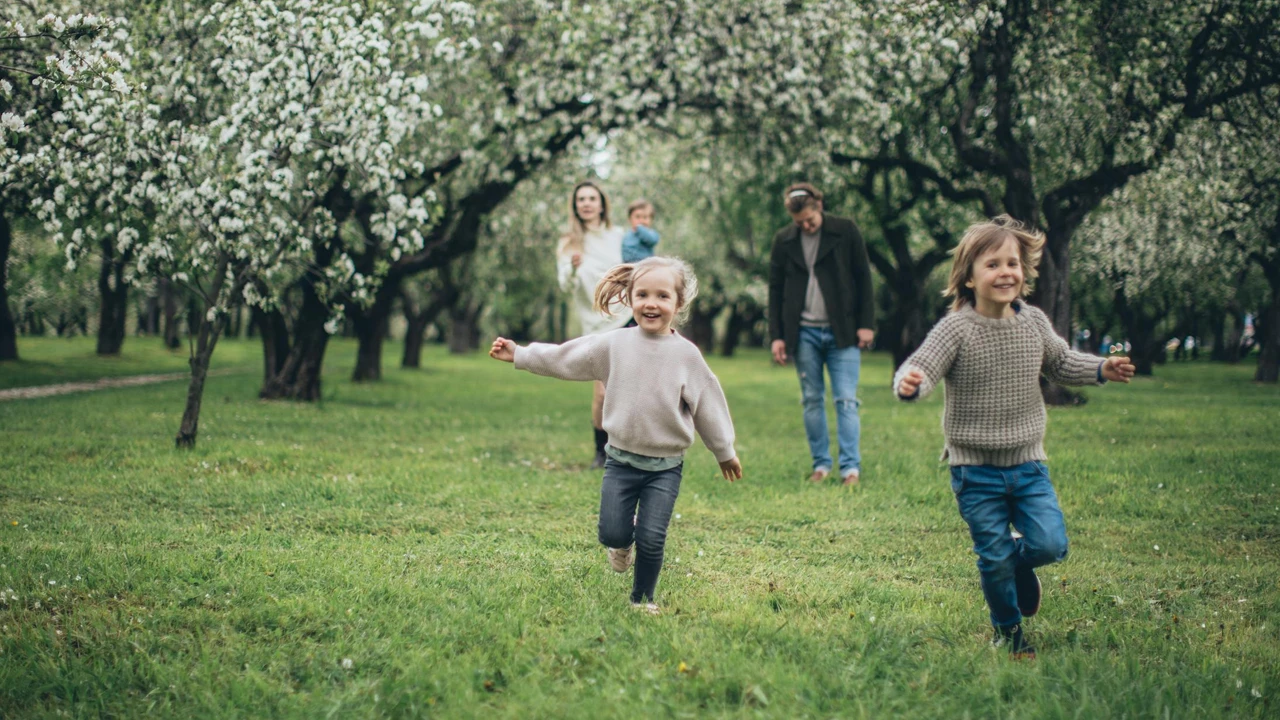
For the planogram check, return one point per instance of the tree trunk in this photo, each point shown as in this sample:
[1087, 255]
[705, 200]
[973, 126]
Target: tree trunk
[371, 330]
[414, 333]
[1146, 348]
[115, 300]
[464, 330]
[1268, 325]
[206, 341]
[169, 301]
[299, 375]
[8, 331]
[275, 340]
[701, 325]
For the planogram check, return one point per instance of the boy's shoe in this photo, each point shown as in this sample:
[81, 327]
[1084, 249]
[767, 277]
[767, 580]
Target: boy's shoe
[1012, 638]
[649, 608]
[851, 478]
[1029, 591]
[621, 559]
[819, 475]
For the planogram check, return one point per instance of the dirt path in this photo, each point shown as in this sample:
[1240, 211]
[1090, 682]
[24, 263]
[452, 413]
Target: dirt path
[38, 391]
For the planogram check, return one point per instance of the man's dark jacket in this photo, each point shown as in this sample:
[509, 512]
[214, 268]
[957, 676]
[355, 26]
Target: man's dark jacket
[844, 277]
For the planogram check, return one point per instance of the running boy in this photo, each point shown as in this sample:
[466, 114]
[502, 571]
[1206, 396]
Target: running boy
[992, 349]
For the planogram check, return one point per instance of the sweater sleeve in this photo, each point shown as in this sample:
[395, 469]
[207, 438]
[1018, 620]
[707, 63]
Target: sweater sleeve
[710, 410]
[647, 236]
[934, 357]
[584, 358]
[1063, 365]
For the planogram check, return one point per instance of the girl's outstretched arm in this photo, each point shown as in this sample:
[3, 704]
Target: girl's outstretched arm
[1117, 369]
[583, 358]
[503, 349]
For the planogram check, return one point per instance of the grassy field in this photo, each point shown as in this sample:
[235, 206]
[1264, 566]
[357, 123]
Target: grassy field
[426, 546]
[45, 361]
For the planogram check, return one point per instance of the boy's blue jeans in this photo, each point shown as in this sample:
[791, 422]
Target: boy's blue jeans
[817, 348]
[990, 499]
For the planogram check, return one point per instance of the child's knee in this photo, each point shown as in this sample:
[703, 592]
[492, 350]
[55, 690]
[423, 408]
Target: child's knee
[650, 539]
[615, 537]
[848, 403]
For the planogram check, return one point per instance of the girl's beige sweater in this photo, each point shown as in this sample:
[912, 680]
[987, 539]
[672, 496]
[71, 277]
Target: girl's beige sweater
[658, 389]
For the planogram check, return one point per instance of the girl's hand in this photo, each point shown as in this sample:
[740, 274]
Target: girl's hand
[731, 469]
[1117, 369]
[910, 383]
[503, 349]
[576, 259]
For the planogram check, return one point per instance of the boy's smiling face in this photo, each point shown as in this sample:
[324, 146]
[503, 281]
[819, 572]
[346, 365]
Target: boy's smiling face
[996, 279]
[654, 301]
[642, 216]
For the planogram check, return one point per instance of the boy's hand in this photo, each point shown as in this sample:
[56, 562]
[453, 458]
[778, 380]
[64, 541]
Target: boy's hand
[731, 469]
[576, 259]
[503, 349]
[910, 383]
[1117, 369]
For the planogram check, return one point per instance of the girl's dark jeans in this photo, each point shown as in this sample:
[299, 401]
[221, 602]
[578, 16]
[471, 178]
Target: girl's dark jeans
[623, 489]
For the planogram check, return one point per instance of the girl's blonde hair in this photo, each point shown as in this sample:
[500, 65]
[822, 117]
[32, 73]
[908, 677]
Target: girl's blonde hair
[986, 236]
[615, 286]
[576, 230]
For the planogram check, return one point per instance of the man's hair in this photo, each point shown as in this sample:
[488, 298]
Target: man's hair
[799, 196]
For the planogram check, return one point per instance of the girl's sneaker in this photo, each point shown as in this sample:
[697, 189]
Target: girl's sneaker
[649, 608]
[1012, 638]
[621, 559]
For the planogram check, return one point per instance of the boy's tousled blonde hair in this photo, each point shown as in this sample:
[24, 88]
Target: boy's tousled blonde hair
[640, 204]
[986, 236]
[615, 286]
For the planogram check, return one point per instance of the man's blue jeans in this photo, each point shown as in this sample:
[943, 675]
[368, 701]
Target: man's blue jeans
[817, 348]
[991, 499]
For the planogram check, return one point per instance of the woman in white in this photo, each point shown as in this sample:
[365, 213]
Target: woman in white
[590, 246]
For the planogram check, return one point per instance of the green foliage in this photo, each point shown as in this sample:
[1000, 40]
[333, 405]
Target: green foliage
[437, 530]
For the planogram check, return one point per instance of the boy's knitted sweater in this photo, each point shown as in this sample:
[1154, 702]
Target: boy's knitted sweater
[659, 389]
[994, 414]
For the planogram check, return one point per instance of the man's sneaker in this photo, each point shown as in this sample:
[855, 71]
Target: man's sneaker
[649, 608]
[819, 475]
[621, 559]
[1029, 593]
[599, 460]
[851, 478]
[1013, 639]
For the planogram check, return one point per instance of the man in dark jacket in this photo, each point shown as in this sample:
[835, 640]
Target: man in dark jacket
[821, 312]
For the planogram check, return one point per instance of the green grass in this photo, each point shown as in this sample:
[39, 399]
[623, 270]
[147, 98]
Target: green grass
[438, 530]
[45, 361]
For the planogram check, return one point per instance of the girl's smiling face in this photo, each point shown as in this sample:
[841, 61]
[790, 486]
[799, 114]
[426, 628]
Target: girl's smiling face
[654, 300]
[996, 279]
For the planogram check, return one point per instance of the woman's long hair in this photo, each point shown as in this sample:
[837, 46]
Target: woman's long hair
[576, 230]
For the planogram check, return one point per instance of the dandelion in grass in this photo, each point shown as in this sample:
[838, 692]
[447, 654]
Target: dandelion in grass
[347, 664]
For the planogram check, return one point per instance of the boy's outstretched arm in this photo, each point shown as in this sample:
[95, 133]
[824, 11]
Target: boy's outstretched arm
[1117, 369]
